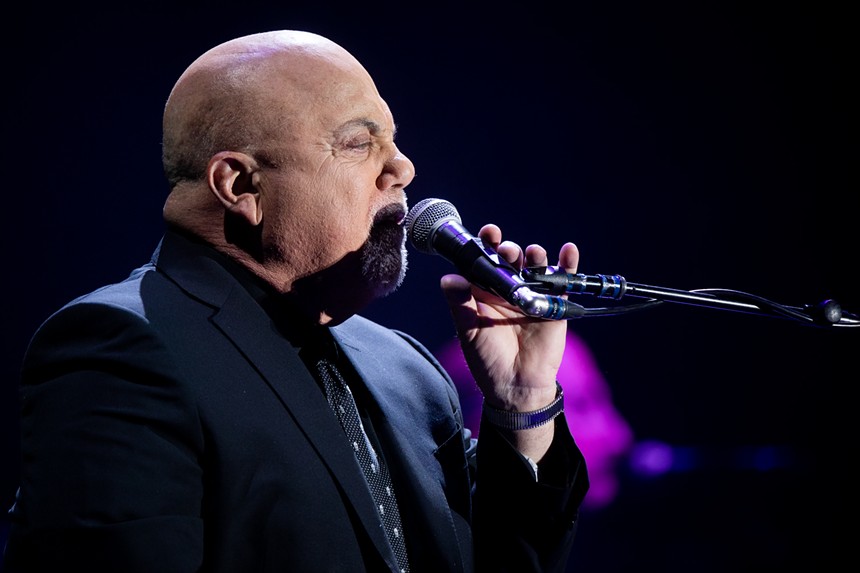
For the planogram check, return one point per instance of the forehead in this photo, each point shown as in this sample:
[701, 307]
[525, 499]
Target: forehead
[348, 106]
[338, 93]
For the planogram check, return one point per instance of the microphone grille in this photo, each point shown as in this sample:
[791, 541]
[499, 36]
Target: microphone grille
[423, 218]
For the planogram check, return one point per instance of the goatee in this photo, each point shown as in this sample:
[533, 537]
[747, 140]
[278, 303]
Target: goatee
[383, 257]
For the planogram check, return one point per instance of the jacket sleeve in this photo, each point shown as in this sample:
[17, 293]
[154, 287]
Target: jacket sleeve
[111, 449]
[519, 524]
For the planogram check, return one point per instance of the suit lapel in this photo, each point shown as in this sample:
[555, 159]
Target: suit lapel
[283, 370]
[420, 489]
[239, 318]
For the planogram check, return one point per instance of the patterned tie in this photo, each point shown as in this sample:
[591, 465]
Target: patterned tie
[342, 402]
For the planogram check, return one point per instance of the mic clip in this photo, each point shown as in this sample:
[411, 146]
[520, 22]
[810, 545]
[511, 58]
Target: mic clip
[553, 280]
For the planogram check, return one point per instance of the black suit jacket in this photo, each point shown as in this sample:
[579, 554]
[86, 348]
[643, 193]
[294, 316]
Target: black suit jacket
[168, 425]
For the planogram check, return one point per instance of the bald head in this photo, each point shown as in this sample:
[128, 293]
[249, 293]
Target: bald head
[224, 100]
[280, 154]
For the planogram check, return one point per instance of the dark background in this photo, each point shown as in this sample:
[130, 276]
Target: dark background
[680, 144]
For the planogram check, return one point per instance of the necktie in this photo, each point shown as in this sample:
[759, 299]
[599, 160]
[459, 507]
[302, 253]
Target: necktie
[375, 472]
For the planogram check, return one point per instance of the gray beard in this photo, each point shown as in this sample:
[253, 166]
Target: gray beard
[383, 258]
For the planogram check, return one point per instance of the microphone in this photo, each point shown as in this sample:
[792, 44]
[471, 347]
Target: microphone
[433, 226]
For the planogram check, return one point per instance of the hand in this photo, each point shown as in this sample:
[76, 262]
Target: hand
[513, 357]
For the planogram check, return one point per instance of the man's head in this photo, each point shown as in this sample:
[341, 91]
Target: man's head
[280, 152]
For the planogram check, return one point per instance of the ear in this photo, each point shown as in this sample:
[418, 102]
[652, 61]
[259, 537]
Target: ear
[230, 175]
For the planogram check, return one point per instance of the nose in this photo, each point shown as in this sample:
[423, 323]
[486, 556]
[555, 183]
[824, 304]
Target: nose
[397, 172]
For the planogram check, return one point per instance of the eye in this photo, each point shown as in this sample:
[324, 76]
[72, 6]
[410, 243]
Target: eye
[359, 143]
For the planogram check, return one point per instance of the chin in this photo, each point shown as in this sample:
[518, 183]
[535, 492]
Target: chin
[383, 259]
[385, 277]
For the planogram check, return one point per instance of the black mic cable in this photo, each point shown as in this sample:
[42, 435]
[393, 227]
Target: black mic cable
[555, 281]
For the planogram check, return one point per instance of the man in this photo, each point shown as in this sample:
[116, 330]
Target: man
[187, 419]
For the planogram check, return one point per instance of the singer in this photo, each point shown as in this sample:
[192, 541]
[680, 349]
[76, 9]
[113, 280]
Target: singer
[227, 409]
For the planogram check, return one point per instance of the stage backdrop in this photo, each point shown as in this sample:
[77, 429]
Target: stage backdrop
[685, 145]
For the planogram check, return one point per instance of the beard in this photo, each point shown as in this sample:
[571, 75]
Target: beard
[383, 258]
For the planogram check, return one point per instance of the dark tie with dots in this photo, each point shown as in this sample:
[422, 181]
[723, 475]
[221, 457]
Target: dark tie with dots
[342, 402]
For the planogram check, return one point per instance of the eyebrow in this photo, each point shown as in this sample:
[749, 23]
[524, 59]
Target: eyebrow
[371, 126]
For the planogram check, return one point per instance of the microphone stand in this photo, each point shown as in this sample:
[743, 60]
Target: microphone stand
[555, 282]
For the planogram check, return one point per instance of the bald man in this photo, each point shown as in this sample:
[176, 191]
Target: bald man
[183, 420]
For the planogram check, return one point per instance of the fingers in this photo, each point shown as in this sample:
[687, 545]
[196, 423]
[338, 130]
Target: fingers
[491, 235]
[536, 256]
[532, 256]
[568, 257]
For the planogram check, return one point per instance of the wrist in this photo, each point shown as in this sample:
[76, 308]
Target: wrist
[517, 420]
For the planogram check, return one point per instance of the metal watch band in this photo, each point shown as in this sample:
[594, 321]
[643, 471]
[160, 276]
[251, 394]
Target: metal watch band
[526, 420]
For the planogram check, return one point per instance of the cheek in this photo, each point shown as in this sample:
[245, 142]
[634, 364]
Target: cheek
[344, 218]
[334, 234]
[330, 217]
[349, 221]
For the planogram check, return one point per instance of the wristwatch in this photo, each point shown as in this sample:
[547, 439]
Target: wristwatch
[509, 420]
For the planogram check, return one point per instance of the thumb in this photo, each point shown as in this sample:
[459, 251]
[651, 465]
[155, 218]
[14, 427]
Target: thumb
[463, 306]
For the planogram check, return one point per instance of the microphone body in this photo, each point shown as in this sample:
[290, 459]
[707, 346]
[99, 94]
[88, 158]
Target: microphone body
[474, 260]
[434, 227]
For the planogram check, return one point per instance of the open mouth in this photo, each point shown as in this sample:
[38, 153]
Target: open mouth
[391, 213]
